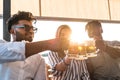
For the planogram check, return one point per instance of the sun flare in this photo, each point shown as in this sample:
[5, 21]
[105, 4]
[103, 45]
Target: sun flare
[79, 36]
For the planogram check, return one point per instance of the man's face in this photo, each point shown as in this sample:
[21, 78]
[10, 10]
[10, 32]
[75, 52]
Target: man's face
[94, 32]
[23, 31]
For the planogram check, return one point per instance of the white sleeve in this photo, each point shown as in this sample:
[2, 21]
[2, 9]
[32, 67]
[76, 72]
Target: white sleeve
[12, 51]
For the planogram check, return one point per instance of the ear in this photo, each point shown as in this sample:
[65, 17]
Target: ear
[12, 31]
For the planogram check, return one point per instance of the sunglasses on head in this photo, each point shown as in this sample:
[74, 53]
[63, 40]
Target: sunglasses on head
[26, 27]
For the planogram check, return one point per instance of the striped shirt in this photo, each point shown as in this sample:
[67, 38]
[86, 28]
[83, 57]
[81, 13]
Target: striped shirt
[77, 70]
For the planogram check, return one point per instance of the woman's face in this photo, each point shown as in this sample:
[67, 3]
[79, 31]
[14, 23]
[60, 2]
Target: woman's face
[65, 34]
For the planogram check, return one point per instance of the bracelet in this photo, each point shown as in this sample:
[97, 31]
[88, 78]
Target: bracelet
[65, 63]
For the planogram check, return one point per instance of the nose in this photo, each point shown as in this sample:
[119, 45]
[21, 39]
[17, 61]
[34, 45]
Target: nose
[29, 36]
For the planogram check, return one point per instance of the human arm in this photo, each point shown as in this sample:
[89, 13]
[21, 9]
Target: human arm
[112, 51]
[56, 63]
[12, 51]
[99, 43]
[53, 44]
[62, 66]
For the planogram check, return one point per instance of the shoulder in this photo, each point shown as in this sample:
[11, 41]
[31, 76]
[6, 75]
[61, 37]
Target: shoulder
[113, 43]
[2, 41]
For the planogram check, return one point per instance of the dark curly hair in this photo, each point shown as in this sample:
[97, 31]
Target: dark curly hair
[92, 24]
[21, 15]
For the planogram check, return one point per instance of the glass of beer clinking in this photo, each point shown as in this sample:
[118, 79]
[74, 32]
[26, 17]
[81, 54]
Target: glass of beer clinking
[91, 50]
[82, 51]
[72, 51]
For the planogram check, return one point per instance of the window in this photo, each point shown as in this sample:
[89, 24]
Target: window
[47, 30]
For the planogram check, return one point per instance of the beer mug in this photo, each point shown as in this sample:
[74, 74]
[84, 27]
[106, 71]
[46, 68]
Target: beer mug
[91, 50]
[82, 51]
[72, 51]
[77, 51]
